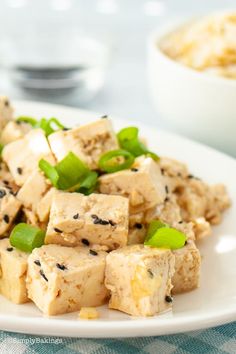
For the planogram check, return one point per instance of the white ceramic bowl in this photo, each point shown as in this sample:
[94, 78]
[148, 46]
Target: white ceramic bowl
[195, 104]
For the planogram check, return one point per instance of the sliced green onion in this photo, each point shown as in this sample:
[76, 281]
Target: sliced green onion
[109, 162]
[46, 124]
[70, 174]
[89, 184]
[29, 120]
[153, 227]
[162, 236]
[49, 171]
[128, 140]
[1, 148]
[26, 237]
[71, 169]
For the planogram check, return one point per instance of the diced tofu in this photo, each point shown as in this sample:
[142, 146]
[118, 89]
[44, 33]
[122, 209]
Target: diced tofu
[136, 234]
[88, 141]
[6, 111]
[13, 269]
[22, 156]
[7, 179]
[139, 278]
[100, 219]
[174, 171]
[9, 207]
[187, 268]
[144, 185]
[201, 227]
[64, 279]
[14, 131]
[88, 313]
[36, 195]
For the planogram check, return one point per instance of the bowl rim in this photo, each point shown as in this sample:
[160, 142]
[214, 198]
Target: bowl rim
[156, 35]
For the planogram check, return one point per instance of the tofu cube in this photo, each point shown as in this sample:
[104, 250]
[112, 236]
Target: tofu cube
[9, 207]
[22, 156]
[6, 111]
[88, 142]
[36, 195]
[100, 219]
[144, 185]
[139, 278]
[13, 269]
[14, 131]
[187, 268]
[64, 279]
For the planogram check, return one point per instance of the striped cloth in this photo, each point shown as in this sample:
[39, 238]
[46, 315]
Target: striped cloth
[211, 341]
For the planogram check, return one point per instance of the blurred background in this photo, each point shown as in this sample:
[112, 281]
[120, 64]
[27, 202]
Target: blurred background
[89, 54]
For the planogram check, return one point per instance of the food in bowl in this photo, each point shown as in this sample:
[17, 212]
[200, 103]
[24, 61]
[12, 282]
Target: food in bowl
[207, 44]
[89, 217]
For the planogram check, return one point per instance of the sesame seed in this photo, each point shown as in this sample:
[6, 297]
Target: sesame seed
[61, 266]
[150, 273]
[93, 253]
[37, 262]
[9, 249]
[180, 222]
[85, 241]
[5, 182]
[104, 222]
[65, 129]
[6, 103]
[43, 275]
[57, 230]
[19, 170]
[138, 225]
[185, 243]
[2, 193]
[162, 171]
[166, 199]
[94, 216]
[134, 169]
[104, 117]
[167, 189]
[168, 298]
[76, 216]
[6, 218]
[112, 223]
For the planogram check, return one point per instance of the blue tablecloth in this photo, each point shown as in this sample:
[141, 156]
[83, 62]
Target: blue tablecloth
[211, 341]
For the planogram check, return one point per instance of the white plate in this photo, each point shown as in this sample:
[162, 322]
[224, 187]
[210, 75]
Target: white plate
[213, 304]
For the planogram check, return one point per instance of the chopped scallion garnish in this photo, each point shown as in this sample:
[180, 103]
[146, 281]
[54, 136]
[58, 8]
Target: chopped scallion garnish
[128, 140]
[48, 125]
[115, 160]
[70, 174]
[162, 235]
[26, 237]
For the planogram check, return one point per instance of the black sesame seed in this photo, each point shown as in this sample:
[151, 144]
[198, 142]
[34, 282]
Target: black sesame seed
[85, 241]
[2, 193]
[104, 222]
[112, 223]
[93, 216]
[19, 170]
[179, 174]
[65, 129]
[185, 243]
[96, 221]
[150, 273]
[37, 262]
[57, 230]
[104, 117]
[167, 189]
[138, 225]
[134, 169]
[6, 218]
[166, 199]
[43, 275]
[93, 253]
[6, 182]
[168, 298]
[162, 171]
[6, 103]
[76, 216]
[9, 249]
[180, 222]
[61, 266]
